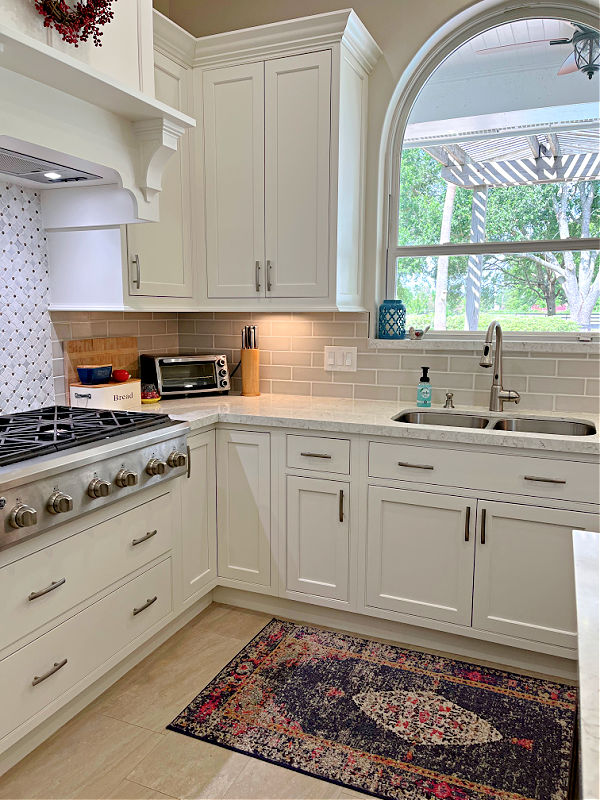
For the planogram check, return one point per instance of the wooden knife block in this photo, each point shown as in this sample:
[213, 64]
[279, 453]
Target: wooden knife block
[250, 373]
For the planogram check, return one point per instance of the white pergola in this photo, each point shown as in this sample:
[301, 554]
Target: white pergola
[516, 148]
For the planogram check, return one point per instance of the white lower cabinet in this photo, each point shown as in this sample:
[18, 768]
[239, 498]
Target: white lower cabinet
[524, 579]
[244, 506]
[420, 550]
[199, 517]
[318, 537]
[38, 674]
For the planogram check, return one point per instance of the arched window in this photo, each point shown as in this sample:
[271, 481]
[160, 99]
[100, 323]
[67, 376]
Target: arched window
[494, 208]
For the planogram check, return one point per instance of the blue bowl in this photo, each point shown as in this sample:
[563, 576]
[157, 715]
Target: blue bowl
[94, 375]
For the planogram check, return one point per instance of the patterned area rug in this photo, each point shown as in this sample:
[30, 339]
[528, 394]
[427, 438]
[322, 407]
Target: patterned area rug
[387, 721]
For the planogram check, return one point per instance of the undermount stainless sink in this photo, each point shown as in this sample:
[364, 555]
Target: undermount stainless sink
[452, 419]
[558, 427]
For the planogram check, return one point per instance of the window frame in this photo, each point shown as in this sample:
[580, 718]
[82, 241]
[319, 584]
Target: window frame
[483, 16]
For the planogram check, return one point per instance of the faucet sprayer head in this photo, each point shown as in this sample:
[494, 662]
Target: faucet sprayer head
[486, 356]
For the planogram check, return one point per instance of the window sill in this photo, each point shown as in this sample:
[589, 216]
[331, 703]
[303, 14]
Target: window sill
[511, 343]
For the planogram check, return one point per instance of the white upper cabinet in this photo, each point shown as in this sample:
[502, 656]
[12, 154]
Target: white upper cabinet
[159, 253]
[280, 164]
[297, 140]
[234, 124]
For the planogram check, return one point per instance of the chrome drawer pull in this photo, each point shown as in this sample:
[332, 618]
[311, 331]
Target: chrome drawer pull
[54, 585]
[137, 281]
[144, 538]
[39, 678]
[483, 521]
[543, 480]
[257, 275]
[467, 523]
[315, 455]
[189, 462]
[146, 605]
[414, 466]
[341, 508]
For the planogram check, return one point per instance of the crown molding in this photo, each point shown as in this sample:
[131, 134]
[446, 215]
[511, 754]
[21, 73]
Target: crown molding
[173, 41]
[267, 41]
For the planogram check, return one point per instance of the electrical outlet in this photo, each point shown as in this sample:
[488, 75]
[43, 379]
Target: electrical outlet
[340, 359]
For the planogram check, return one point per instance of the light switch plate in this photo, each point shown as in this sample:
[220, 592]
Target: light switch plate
[340, 359]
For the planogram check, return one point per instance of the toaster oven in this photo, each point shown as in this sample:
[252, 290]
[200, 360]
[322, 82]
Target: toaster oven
[180, 375]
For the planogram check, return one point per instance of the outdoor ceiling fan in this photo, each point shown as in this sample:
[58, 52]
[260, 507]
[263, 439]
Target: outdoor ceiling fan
[584, 58]
[586, 52]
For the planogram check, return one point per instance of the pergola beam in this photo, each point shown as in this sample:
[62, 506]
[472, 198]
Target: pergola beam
[440, 155]
[534, 144]
[524, 171]
[554, 144]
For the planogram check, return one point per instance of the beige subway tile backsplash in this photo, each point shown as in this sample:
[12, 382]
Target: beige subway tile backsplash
[292, 358]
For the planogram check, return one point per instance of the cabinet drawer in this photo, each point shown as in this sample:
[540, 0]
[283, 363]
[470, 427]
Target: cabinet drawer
[42, 586]
[80, 645]
[536, 477]
[318, 453]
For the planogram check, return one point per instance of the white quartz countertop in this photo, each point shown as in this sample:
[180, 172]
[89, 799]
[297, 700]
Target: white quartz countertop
[586, 553]
[371, 417]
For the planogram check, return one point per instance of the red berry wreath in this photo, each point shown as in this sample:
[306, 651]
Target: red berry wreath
[77, 22]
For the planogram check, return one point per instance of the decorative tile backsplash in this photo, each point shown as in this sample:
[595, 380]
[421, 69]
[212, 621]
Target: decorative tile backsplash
[25, 349]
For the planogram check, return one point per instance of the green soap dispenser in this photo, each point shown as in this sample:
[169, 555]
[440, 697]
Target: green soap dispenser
[424, 390]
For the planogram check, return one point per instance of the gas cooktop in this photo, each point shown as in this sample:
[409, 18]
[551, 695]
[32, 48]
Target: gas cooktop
[47, 430]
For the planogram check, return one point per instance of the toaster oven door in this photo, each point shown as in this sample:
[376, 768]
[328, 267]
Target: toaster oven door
[187, 376]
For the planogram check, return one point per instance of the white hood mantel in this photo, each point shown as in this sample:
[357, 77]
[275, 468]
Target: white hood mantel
[56, 107]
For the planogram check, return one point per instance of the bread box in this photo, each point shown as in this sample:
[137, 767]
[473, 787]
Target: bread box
[114, 396]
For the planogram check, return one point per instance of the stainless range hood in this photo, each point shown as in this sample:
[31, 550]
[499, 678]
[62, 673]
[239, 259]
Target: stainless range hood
[14, 165]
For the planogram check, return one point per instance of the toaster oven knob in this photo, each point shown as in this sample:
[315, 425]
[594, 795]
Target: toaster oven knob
[221, 362]
[223, 382]
[177, 459]
[156, 467]
[22, 516]
[98, 488]
[59, 503]
[222, 372]
[125, 478]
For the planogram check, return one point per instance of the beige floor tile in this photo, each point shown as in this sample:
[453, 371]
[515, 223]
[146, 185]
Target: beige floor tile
[87, 758]
[161, 686]
[265, 781]
[128, 790]
[188, 768]
[235, 622]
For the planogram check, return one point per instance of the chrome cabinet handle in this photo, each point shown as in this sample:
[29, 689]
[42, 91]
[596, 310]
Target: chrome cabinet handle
[315, 455]
[468, 524]
[146, 605]
[54, 585]
[341, 506]
[39, 678]
[483, 516]
[414, 466]
[137, 281]
[269, 283]
[189, 462]
[543, 480]
[144, 538]
[257, 275]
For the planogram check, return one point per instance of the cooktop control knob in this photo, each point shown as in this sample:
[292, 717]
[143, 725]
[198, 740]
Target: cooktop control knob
[59, 503]
[99, 488]
[177, 459]
[126, 477]
[156, 467]
[22, 516]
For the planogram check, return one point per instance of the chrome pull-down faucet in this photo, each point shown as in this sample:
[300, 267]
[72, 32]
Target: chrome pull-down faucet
[498, 394]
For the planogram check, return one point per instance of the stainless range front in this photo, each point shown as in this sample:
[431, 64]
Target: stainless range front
[130, 452]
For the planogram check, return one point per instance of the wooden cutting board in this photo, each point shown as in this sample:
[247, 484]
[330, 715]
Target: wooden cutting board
[120, 351]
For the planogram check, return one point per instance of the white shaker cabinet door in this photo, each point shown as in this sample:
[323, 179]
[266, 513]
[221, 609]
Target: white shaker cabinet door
[233, 101]
[159, 253]
[524, 578]
[244, 506]
[419, 555]
[317, 541]
[198, 516]
[297, 182]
